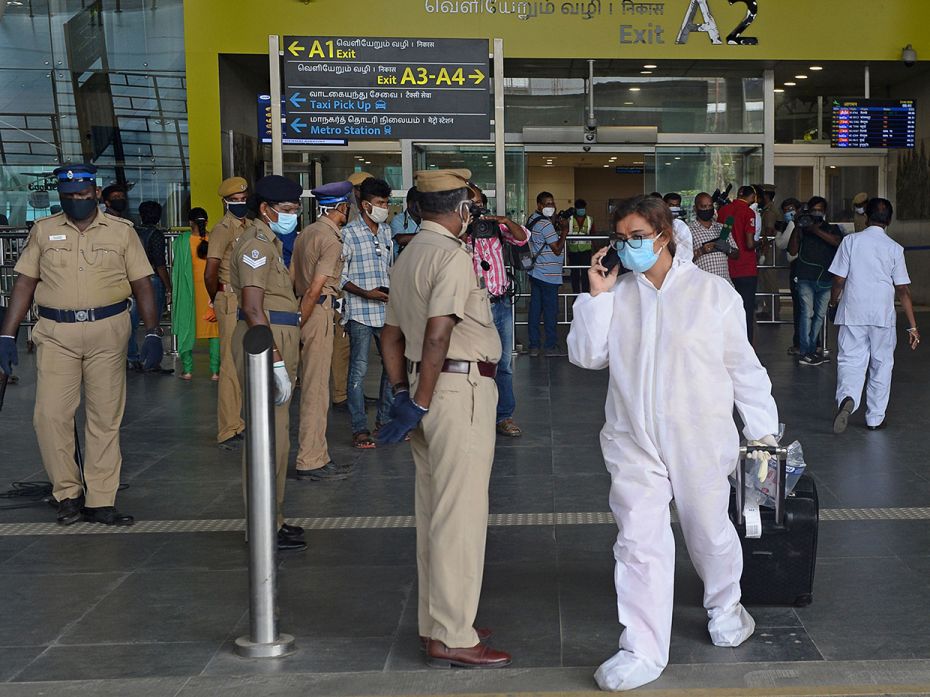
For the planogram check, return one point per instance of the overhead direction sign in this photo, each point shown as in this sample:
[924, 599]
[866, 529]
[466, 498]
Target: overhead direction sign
[386, 89]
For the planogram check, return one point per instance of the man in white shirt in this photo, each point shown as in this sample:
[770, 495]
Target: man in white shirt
[868, 271]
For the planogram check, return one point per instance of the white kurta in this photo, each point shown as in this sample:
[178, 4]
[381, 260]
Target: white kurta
[872, 264]
[679, 360]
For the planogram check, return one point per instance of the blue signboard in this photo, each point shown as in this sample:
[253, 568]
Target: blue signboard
[264, 126]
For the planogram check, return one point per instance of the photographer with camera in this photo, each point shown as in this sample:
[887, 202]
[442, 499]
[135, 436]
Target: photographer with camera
[815, 242]
[712, 248]
[547, 243]
[487, 234]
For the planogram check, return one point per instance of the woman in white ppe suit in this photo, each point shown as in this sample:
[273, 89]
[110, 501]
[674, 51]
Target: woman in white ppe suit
[674, 338]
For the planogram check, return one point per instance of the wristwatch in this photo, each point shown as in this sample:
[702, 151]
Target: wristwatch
[157, 331]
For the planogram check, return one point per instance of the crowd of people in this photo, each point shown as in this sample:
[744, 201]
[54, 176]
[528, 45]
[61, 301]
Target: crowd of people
[434, 290]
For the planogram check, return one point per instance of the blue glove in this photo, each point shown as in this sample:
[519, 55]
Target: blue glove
[8, 355]
[405, 415]
[152, 352]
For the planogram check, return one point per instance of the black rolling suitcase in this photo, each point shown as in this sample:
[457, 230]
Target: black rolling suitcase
[778, 568]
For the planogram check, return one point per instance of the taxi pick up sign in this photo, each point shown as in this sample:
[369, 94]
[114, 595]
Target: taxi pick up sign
[386, 89]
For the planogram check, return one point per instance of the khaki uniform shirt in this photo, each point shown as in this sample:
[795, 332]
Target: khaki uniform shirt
[434, 277]
[222, 238]
[79, 270]
[318, 251]
[257, 261]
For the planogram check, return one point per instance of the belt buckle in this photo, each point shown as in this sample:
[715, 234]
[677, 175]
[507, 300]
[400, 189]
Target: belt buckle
[81, 315]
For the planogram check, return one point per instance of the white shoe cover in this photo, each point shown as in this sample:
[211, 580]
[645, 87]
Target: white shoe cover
[626, 671]
[731, 628]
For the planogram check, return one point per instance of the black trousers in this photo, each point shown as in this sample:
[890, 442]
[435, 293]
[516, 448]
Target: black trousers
[746, 287]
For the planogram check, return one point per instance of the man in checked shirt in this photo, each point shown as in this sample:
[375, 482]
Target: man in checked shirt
[488, 256]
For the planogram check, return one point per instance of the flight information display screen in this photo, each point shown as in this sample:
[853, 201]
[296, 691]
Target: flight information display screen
[874, 123]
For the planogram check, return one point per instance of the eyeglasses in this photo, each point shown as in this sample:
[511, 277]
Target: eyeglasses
[635, 242]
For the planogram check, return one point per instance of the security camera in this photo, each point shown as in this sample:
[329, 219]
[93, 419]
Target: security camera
[586, 148]
[909, 56]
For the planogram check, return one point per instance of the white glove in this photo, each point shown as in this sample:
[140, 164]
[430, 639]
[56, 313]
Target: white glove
[761, 455]
[282, 384]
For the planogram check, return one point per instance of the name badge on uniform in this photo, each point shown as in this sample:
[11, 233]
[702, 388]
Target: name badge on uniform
[57, 238]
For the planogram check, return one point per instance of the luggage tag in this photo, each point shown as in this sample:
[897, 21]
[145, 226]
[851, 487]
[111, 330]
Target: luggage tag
[753, 521]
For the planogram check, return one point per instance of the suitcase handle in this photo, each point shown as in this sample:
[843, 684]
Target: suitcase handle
[781, 454]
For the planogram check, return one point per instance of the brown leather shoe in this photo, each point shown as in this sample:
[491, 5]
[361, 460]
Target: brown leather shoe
[483, 635]
[438, 655]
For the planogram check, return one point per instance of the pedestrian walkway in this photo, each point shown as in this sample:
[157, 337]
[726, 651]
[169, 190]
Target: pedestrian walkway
[153, 610]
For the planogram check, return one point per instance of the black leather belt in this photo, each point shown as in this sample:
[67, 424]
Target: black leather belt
[485, 369]
[289, 319]
[91, 315]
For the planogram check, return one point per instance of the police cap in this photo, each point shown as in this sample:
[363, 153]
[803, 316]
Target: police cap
[75, 177]
[332, 194]
[356, 178]
[278, 189]
[430, 181]
[231, 186]
[860, 198]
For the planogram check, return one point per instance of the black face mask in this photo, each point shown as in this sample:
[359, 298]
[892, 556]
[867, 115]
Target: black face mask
[78, 208]
[238, 210]
[706, 214]
[119, 205]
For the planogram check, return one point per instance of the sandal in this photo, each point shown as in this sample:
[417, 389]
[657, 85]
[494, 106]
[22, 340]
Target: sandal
[186, 376]
[508, 428]
[215, 377]
[363, 441]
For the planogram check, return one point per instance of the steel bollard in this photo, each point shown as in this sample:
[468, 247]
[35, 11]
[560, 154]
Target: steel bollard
[263, 640]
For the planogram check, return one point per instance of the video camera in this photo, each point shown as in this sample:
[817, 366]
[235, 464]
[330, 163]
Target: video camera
[480, 227]
[721, 198]
[806, 218]
[566, 214]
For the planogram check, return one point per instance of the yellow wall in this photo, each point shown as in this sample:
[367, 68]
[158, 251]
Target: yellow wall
[857, 30]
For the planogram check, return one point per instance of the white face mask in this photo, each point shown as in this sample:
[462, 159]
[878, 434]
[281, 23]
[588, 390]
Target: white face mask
[378, 214]
[676, 211]
[860, 211]
[548, 211]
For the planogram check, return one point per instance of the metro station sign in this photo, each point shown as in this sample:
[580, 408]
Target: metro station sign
[386, 89]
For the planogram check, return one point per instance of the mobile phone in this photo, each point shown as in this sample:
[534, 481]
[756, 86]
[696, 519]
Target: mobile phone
[610, 260]
[384, 289]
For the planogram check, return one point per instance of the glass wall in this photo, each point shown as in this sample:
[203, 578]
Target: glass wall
[691, 170]
[681, 104]
[100, 81]
[543, 102]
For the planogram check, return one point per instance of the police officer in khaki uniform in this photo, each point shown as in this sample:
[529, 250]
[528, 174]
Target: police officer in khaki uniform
[234, 192]
[265, 293]
[441, 350]
[317, 266]
[81, 266]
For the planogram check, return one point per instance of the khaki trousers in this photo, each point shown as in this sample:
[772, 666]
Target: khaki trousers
[229, 394]
[69, 356]
[453, 448]
[315, 359]
[340, 360]
[287, 339]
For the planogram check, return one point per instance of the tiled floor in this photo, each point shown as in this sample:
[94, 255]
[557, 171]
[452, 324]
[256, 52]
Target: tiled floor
[162, 609]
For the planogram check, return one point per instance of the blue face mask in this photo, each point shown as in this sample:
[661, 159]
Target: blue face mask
[642, 259]
[581, 212]
[285, 224]
[789, 216]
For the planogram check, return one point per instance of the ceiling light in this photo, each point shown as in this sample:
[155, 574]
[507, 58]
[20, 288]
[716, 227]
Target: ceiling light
[815, 68]
[668, 163]
[778, 90]
[650, 66]
[638, 162]
[832, 166]
[607, 165]
[645, 72]
[800, 77]
[790, 84]
[677, 158]
[634, 89]
[629, 103]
